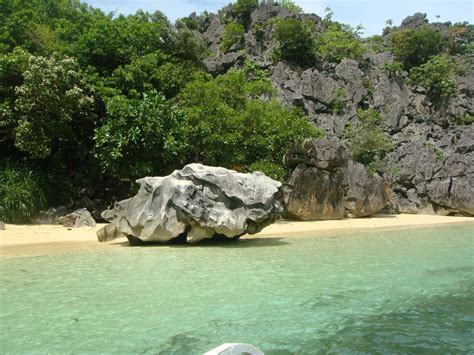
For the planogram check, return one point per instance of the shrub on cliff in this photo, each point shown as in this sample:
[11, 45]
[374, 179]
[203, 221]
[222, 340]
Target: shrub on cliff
[368, 143]
[415, 47]
[233, 33]
[339, 42]
[290, 6]
[243, 8]
[295, 42]
[437, 77]
[21, 196]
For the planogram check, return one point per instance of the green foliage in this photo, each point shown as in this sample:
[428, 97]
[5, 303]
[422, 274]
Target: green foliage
[438, 154]
[290, 6]
[244, 7]
[295, 41]
[153, 71]
[437, 77]
[460, 38]
[394, 69]
[110, 43]
[376, 43]
[467, 119]
[368, 144]
[415, 47]
[141, 136]
[339, 42]
[12, 67]
[337, 105]
[233, 34]
[21, 196]
[53, 95]
[230, 125]
[188, 47]
[188, 22]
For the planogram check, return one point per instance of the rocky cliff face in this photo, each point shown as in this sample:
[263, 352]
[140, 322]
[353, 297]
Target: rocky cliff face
[327, 184]
[431, 168]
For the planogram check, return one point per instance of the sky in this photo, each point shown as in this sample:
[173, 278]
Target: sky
[372, 14]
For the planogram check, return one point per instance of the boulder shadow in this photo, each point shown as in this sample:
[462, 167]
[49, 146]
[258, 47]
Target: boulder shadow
[209, 243]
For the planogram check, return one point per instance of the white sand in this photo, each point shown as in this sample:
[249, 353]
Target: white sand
[27, 240]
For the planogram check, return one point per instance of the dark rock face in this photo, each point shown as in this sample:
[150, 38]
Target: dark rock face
[78, 218]
[198, 202]
[219, 65]
[365, 191]
[327, 184]
[435, 170]
[314, 194]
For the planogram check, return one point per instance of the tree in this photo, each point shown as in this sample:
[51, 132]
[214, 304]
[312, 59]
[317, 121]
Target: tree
[12, 67]
[437, 77]
[140, 136]
[339, 42]
[53, 95]
[155, 71]
[111, 42]
[230, 123]
[295, 41]
[415, 47]
[243, 8]
[290, 6]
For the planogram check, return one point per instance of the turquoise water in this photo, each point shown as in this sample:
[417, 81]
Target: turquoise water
[398, 291]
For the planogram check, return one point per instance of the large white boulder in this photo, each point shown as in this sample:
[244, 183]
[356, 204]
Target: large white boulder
[198, 201]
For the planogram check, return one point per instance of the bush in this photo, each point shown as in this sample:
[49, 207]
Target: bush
[230, 125]
[21, 196]
[368, 143]
[295, 42]
[243, 9]
[338, 105]
[290, 6]
[437, 77]
[233, 33]
[415, 47]
[338, 43]
[461, 38]
[53, 97]
[394, 69]
[143, 136]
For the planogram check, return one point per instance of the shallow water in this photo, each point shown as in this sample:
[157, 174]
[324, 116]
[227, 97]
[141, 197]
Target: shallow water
[395, 291]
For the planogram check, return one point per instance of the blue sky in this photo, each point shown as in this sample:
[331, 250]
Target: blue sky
[371, 13]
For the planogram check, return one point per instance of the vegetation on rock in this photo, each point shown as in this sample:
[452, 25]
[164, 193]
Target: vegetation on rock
[437, 77]
[368, 143]
[295, 42]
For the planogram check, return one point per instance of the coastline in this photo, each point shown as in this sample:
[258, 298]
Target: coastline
[34, 240]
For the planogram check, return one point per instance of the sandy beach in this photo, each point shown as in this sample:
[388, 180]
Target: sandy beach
[30, 240]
